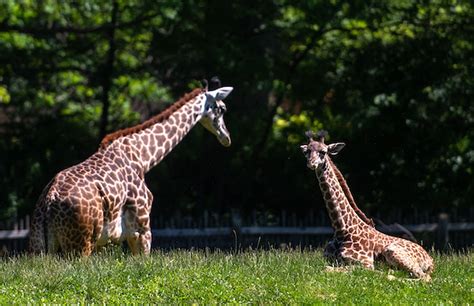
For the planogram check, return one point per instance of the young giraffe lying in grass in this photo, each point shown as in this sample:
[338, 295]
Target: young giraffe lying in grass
[355, 240]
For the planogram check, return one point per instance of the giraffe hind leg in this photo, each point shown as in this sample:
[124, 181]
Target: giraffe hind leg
[72, 237]
[397, 256]
[53, 243]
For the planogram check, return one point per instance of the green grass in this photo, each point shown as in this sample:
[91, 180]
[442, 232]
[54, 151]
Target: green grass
[275, 276]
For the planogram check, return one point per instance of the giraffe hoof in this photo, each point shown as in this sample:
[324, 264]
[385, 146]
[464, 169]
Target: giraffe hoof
[426, 279]
[329, 269]
[336, 269]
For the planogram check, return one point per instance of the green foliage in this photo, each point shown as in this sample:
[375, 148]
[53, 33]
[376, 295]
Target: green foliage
[289, 128]
[4, 95]
[275, 276]
[392, 79]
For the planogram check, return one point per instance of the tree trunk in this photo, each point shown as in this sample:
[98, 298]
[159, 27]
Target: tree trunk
[108, 72]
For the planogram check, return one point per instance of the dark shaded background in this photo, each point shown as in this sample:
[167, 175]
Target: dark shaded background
[393, 80]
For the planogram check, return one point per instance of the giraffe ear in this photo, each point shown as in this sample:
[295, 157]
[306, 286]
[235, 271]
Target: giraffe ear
[304, 148]
[334, 148]
[220, 93]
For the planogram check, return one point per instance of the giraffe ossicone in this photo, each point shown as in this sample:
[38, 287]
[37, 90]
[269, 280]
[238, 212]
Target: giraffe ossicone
[105, 198]
[355, 238]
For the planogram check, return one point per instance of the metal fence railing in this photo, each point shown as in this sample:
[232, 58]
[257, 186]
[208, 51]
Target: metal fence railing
[234, 231]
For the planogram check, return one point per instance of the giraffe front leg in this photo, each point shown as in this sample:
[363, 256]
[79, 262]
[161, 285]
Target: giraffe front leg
[138, 221]
[144, 242]
[365, 258]
[353, 252]
[139, 234]
[332, 252]
[132, 241]
[346, 252]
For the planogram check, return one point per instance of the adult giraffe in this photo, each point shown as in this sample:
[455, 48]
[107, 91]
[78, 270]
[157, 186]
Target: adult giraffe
[356, 240]
[105, 197]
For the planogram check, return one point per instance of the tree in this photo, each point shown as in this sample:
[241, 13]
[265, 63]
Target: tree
[393, 80]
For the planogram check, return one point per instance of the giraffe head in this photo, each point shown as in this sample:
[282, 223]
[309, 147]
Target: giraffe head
[213, 114]
[316, 151]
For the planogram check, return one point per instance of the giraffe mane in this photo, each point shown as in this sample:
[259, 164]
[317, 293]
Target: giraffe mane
[165, 114]
[348, 194]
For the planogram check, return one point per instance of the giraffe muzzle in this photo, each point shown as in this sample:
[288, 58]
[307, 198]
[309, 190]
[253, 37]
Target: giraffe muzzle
[224, 139]
[223, 134]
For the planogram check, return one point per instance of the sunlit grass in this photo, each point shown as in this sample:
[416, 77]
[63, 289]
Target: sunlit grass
[274, 276]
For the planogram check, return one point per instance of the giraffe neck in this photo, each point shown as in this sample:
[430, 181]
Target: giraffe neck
[148, 147]
[343, 217]
[348, 194]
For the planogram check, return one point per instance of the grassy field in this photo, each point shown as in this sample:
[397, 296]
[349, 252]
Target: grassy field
[275, 276]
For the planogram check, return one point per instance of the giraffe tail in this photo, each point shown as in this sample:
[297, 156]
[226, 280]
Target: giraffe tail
[38, 230]
[37, 242]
